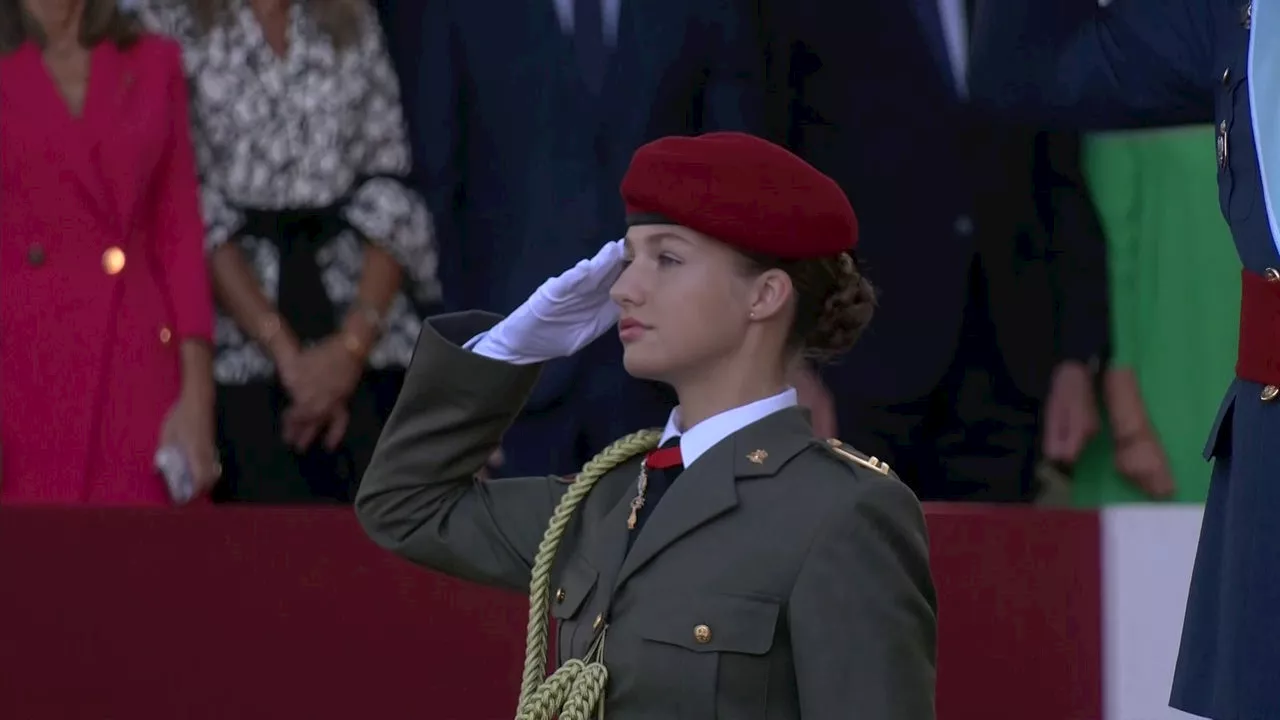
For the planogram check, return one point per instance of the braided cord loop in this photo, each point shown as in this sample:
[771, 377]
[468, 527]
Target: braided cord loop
[576, 688]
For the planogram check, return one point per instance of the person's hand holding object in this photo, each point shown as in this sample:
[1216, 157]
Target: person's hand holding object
[564, 315]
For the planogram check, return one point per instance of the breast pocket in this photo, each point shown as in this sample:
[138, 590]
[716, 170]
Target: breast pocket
[568, 599]
[709, 655]
[1237, 161]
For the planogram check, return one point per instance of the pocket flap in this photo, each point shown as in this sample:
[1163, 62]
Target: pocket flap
[713, 623]
[576, 582]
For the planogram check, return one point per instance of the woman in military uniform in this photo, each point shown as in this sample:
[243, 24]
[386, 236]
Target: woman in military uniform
[731, 565]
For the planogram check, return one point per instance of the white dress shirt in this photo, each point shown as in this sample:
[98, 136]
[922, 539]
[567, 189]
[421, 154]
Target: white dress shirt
[700, 438]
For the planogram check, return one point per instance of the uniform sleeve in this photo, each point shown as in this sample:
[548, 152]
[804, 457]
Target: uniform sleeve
[383, 208]
[436, 77]
[734, 98]
[863, 613]
[1135, 62]
[419, 496]
[178, 223]
[1077, 252]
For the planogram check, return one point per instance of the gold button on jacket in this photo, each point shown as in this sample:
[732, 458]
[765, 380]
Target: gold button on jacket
[775, 553]
[113, 260]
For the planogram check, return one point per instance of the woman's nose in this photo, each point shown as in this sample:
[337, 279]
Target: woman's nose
[626, 289]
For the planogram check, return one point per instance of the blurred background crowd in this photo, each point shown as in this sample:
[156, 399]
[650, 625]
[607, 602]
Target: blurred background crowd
[223, 222]
[317, 177]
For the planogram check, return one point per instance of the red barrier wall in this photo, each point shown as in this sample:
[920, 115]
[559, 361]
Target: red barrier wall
[283, 613]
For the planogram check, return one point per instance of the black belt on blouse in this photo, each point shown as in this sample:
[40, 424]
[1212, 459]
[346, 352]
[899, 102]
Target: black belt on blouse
[298, 235]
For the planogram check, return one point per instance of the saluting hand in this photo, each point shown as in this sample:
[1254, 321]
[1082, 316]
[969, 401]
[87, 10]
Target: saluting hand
[564, 315]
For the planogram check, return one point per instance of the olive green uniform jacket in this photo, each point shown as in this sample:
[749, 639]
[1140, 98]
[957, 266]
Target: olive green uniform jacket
[788, 583]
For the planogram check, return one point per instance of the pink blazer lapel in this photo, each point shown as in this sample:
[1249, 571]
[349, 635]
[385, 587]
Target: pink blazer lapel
[123, 131]
[99, 148]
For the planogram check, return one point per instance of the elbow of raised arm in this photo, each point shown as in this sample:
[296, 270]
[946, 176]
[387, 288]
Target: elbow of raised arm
[373, 510]
[395, 517]
[391, 502]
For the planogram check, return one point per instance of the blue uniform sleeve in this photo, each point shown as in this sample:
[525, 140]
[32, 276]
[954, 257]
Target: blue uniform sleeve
[434, 77]
[734, 95]
[1069, 63]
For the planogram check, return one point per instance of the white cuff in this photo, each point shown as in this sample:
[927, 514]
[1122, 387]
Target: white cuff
[489, 346]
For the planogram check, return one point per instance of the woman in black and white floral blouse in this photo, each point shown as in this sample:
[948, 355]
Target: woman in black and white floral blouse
[319, 252]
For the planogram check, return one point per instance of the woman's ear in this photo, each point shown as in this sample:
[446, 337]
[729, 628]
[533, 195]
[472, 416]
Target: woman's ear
[771, 294]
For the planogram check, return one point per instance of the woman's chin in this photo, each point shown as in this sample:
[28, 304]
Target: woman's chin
[642, 365]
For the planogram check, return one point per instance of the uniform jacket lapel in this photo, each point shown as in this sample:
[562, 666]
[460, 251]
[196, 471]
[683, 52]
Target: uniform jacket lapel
[708, 488]
[612, 547]
[1264, 97]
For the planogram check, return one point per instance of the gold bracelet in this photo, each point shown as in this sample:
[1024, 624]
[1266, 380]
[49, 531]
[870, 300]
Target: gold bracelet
[369, 314]
[268, 328]
[353, 345]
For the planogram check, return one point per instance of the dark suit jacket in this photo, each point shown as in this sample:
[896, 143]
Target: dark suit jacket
[777, 578]
[934, 181]
[520, 162]
[1142, 62]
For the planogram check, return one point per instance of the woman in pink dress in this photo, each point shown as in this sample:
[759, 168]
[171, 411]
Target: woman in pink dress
[105, 308]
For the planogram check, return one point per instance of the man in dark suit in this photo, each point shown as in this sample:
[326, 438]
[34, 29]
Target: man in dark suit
[979, 235]
[1147, 61]
[525, 116]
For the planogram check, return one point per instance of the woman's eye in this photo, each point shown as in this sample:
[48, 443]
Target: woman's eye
[665, 259]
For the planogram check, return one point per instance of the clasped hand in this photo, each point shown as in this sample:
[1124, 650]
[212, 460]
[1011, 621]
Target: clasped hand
[319, 380]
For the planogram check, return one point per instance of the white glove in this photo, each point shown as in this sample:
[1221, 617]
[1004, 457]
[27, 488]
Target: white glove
[564, 315]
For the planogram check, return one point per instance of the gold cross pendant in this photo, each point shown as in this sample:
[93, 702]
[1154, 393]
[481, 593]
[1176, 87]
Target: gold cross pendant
[638, 501]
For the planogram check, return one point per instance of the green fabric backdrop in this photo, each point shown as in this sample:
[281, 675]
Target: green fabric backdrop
[1175, 295]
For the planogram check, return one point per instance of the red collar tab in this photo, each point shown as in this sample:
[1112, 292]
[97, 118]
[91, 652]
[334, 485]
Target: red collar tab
[664, 458]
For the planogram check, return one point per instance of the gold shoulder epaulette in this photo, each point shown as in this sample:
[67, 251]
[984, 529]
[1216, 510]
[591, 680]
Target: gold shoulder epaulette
[852, 455]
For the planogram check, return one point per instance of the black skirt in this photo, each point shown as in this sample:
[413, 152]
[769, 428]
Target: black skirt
[257, 465]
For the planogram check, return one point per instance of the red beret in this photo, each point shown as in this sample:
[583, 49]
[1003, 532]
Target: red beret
[743, 191]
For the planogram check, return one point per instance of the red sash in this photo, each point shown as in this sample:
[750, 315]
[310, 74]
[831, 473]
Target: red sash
[1258, 358]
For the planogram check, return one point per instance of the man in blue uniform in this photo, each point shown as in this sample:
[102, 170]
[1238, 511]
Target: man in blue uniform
[1139, 62]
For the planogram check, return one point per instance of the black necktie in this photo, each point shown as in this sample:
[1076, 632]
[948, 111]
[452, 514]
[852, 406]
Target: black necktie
[659, 481]
[588, 42]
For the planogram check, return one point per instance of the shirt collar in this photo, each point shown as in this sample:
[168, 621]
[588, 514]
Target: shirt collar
[702, 437]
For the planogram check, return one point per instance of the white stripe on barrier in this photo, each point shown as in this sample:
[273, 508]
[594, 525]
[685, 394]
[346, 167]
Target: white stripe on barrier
[1147, 555]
